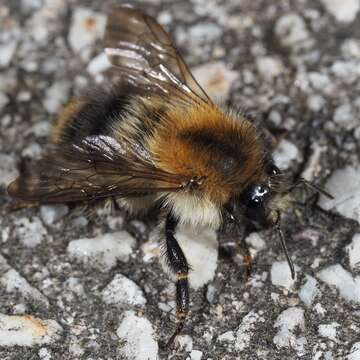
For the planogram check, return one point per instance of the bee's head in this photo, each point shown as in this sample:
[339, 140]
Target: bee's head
[260, 202]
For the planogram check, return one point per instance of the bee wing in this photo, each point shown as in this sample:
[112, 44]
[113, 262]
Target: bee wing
[143, 53]
[98, 167]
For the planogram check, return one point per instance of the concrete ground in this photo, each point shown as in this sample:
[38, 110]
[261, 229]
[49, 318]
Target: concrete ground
[75, 285]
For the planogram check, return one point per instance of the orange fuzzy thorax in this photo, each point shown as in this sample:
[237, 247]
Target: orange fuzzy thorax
[182, 145]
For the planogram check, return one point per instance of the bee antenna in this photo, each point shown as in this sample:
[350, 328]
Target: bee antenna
[284, 248]
[314, 187]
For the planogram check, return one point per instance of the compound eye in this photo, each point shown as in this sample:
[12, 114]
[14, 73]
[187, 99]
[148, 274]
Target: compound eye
[257, 195]
[273, 170]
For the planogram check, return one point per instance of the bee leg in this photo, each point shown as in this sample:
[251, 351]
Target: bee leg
[243, 250]
[178, 264]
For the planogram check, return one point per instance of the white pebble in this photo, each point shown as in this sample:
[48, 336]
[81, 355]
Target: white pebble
[7, 52]
[122, 291]
[103, 251]
[348, 286]
[86, 27]
[344, 115]
[13, 282]
[344, 185]
[31, 232]
[44, 354]
[315, 103]
[3, 100]
[216, 79]
[27, 330]
[269, 67]
[226, 337]
[289, 322]
[342, 10]
[98, 64]
[246, 330]
[309, 291]
[8, 169]
[204, 32]
[137, 338]
[328, 330]
[33, 151]
[281, 275]
[285, 154]
[354, 352]
[56, 95]
[291, 29]
[313, 166]
[351, 48]
[353, 250]
[185, 343]
[201, 250]
[195, 355]
[50, 214]
[255, 241]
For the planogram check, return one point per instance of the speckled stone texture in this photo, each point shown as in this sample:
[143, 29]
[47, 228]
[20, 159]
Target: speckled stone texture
[90, 286]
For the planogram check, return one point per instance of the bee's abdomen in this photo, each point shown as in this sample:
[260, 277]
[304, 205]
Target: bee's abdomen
[92, 114]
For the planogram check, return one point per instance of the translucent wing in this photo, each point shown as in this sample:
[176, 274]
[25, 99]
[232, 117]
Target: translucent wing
[143, 53]
[98, 167]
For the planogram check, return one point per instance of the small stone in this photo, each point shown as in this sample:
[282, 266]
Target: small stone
[281, 275]
[275, 117]
[315, 103]
[204, 32]
[7, 52]
[354, 352]
[3, 100]
[8, 169]
[103, 251]
[201, 250]
[98, 64]
[313, 165]
[343, 10]
[309, 291]
[291, 29]
[289, 322]
[122, 291]
[137, 338]
[344, 185]
[31, 232]
[269, 67]
[27, 330]
[255, 241]
[345, 116]
[195, 355]
[45, 354]
[185, 343]
[328, 330]
[226, 337]
[210, 293]
[86, 27]
[33, 151]
[51, 214]
[216, 79]
[285, 154]
[353, 251]
[56, 96]
[347, 285]
[246, 330]
[41, 129]
[351, 48]
[14, 283]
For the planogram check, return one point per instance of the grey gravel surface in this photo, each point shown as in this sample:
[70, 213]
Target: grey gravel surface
[75, 285]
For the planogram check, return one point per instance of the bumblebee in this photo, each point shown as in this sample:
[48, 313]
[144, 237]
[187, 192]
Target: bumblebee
[155, 138]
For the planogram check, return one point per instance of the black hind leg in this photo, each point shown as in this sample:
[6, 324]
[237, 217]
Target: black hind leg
[179, 266]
